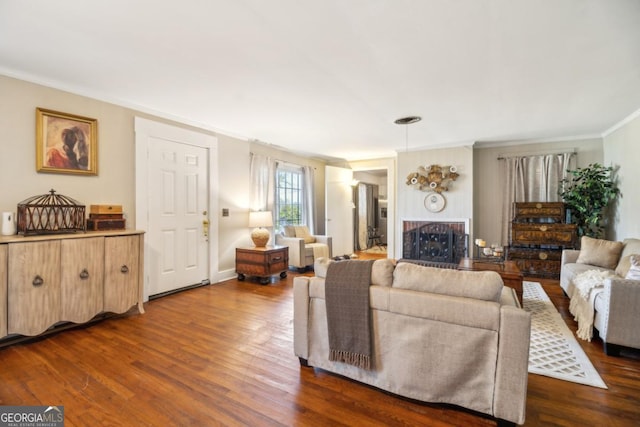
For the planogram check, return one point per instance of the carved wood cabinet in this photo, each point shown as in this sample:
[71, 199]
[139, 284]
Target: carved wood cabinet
[47, 281]
[538, 236]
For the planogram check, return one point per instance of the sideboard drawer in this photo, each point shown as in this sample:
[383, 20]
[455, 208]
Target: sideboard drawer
[563, 235]
[536, 261]
[524, 212]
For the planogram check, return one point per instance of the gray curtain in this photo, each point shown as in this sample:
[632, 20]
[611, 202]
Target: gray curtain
[309, 208]
[531, 179]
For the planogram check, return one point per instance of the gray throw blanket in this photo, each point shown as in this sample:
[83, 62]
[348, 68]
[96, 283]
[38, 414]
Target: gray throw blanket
[348, 315]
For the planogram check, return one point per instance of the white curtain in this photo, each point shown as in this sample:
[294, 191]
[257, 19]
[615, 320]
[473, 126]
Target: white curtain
[531, 179]
[262, 172]
[309, 207]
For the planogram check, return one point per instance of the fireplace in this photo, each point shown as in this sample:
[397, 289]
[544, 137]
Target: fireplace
[435, 242]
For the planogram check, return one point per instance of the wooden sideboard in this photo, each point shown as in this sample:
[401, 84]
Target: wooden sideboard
[538, 236]
[51, 280]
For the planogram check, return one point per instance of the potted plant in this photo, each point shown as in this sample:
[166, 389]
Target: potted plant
[586, 193]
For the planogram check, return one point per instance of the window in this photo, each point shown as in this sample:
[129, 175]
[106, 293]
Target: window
[289, 196]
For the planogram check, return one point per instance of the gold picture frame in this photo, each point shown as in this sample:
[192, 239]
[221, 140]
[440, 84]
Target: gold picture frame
[66, 143]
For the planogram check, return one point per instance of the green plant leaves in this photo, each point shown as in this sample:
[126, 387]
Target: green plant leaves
[587, 192]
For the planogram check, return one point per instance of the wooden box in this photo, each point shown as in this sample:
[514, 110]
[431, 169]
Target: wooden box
[105, 209]
[262, 262]
[538, 211]
[106, 224]
[106, 216]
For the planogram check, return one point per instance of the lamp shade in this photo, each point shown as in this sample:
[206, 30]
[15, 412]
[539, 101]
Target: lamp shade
[260, 219]
[259, 235]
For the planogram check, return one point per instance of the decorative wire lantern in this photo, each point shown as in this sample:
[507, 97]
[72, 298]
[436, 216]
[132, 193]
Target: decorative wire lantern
[50, 214]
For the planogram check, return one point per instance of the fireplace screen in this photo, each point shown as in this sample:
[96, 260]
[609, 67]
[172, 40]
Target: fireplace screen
[437, 242]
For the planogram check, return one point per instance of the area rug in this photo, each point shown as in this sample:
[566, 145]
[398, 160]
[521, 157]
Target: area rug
[376, 250]
[554, 351]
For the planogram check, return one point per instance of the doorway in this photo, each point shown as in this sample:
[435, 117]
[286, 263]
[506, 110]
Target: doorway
[174, 197]
[371, 211]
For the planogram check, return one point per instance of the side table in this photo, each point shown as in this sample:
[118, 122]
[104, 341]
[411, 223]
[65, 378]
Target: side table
[262, 262]
[508, 270]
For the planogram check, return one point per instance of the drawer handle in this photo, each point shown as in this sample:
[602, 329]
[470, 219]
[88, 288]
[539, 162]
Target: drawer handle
[276, 258]
[542, 256]
[37, 281]
[543, 228]
[124, 269]
[84, 274]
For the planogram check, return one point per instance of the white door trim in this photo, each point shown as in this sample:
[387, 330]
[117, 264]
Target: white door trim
[144, 127]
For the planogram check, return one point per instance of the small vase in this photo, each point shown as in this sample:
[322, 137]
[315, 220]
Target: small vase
[8, 224]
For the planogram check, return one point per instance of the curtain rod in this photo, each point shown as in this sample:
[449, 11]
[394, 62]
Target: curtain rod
[538, 153]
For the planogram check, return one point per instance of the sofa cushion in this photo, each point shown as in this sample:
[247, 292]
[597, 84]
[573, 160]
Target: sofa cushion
[302, 231]
[634, 270]
[631, 247]
[289, 231]
[598, 252]
[381, 270]
[484, 285]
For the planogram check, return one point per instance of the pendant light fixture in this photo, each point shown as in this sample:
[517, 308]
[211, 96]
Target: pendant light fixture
[407, 121]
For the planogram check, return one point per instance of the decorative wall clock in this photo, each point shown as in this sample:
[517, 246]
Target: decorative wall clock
[434, 202]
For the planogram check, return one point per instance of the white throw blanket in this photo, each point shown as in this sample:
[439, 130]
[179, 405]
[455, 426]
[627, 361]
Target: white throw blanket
[320, 250]
[588, 285]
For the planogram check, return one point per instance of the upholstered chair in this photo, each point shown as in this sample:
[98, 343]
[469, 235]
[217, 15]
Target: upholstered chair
[304, 247]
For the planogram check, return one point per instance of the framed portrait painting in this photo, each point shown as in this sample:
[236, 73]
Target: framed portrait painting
[66, 143]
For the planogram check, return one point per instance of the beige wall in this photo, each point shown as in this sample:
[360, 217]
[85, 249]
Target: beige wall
[622, 150]
[115, 182]
[488, 191]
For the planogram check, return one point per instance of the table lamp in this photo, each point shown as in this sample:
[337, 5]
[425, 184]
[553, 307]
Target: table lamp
[259, 220]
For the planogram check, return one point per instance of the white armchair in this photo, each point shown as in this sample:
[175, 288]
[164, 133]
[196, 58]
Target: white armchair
[304, 247]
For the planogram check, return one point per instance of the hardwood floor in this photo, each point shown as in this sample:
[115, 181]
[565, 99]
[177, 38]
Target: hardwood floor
[222, 355]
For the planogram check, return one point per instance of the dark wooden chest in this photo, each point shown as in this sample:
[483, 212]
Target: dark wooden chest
[538, 236]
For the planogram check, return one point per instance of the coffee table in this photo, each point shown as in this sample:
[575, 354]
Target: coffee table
[508, 270]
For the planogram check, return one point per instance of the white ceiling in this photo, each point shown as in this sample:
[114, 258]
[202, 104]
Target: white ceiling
[329, 77]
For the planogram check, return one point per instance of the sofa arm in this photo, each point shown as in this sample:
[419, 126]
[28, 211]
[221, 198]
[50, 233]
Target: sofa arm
[296, 249]
[513, 362]
[622, 298]
[569, 256]
[301, 316]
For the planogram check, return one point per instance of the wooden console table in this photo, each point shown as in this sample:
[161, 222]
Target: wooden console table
[262, 262]
[508, 270]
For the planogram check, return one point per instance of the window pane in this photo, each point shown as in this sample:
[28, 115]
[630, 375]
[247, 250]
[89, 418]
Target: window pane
[289, 209]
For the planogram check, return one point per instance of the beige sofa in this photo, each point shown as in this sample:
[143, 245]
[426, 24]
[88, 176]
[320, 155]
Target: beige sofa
[438, 335]
[617, 307]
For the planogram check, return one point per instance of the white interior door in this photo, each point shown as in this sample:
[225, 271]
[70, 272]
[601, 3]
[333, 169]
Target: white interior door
[339, 209]
[178, 215]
